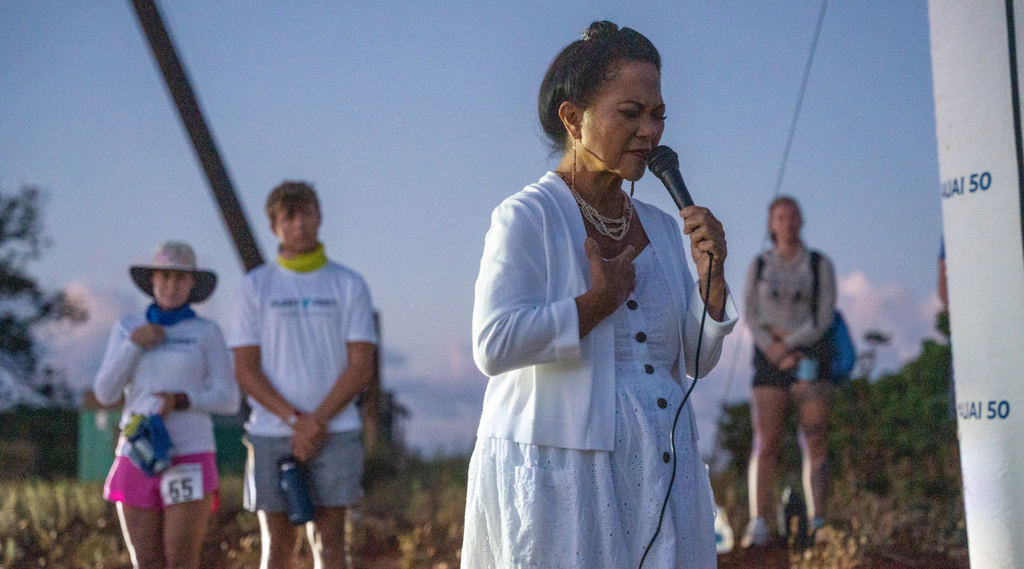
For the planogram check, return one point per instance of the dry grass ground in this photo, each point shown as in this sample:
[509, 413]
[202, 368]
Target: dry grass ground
[411, 518]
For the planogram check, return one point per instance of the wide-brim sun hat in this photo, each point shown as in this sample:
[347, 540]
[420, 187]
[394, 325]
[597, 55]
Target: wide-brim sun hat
[175, 256]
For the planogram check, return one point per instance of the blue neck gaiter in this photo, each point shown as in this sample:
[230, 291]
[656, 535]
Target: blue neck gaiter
[157, 315]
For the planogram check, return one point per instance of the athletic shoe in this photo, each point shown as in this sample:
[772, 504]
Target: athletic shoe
[756, 534]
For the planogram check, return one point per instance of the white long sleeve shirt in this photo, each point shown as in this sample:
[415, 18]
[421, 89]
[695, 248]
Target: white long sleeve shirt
[548, 386]
[192, 359]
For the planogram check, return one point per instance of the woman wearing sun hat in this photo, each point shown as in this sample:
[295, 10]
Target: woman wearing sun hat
[172, 363]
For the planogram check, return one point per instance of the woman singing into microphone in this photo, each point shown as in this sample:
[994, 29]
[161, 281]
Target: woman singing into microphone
[586, 319]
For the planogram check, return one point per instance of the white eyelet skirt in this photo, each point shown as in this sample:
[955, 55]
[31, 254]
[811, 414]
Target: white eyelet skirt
[536, 506]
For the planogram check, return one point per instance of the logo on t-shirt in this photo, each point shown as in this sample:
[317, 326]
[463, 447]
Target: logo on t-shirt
[179, 344]
[303, 303]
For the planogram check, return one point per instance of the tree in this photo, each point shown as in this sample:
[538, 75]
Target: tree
[866, 359]
[23, 303]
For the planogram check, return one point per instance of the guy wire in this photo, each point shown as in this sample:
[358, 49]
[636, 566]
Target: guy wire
[782, 165]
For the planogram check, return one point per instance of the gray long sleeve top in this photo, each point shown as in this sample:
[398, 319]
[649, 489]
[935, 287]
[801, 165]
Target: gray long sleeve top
[781, 298]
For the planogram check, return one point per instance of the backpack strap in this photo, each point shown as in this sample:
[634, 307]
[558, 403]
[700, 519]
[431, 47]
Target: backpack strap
[815, 263]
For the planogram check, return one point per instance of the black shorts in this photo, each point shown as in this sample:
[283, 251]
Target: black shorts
[767, 375]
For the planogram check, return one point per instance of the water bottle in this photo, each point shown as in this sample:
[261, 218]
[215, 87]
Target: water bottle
[724, 538]
[160, 441]
[793, 507]
[807, 369]
[291, 478]
[149, 445]
[141, 453]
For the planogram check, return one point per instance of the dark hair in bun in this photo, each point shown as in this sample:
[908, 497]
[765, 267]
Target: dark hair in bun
[578, 72]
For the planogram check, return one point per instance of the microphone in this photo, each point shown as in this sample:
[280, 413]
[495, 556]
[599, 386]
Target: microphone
[664, 163]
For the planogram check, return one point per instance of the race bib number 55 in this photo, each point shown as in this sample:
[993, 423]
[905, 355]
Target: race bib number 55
[182, 483]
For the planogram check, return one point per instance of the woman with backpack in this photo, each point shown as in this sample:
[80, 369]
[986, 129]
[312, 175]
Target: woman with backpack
[790, 299]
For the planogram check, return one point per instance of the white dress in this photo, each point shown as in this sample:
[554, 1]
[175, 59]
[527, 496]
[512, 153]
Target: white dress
[539, 506]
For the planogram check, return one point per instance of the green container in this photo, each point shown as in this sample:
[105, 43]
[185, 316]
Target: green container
[231, 453]
[97, 437]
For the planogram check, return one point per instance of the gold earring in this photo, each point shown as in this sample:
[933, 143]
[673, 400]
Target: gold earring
[573, 179]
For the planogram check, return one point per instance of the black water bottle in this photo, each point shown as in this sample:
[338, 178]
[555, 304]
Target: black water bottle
[291, 478]
[793, 506]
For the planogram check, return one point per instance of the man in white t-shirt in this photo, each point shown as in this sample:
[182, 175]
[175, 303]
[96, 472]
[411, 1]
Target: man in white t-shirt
[304, 341]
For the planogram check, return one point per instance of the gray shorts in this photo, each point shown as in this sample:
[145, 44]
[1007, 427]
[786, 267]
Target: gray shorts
[336, 472]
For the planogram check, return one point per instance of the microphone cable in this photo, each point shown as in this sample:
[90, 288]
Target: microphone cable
[672, 435]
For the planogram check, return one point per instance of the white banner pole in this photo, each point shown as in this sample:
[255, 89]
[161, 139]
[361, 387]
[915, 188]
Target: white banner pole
[974, 50]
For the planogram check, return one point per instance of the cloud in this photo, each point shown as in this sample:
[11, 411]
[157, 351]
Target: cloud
[78, 348]
[444, 404]
[891, 309]
[887, 307]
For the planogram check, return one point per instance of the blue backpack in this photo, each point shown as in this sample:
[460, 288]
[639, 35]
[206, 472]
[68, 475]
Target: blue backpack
[843, 354]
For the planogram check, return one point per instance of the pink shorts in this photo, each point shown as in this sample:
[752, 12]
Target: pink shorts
[127, 484]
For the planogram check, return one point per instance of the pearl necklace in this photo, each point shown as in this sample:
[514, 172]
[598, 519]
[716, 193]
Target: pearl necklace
[615, 229]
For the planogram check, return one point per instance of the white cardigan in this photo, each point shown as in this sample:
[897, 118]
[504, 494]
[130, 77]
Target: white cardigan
[547, 385]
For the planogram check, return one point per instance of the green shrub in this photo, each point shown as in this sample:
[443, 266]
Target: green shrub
[894, 458]
[39, 442]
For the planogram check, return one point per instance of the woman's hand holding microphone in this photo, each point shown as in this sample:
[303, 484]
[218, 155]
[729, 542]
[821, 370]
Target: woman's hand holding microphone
[709, 250]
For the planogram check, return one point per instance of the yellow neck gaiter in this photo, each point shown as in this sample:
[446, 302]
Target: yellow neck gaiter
[306, 262]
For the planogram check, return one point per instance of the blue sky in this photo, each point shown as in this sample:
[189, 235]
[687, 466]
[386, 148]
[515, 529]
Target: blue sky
[415, 119]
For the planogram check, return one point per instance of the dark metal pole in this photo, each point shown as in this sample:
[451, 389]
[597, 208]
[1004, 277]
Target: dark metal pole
[1011, 33]
[202, 140]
